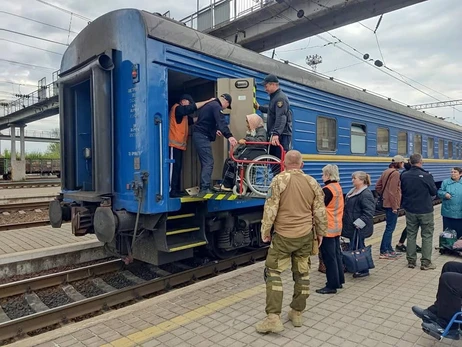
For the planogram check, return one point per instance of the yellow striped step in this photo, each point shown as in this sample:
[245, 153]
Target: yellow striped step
[181, 216]
[180, 246]
[181, 231]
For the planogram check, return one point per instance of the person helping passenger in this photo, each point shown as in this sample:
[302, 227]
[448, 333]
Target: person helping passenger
[256, 132]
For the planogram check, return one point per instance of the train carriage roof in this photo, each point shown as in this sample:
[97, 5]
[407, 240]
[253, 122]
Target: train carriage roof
[176, 33]
[89, 42]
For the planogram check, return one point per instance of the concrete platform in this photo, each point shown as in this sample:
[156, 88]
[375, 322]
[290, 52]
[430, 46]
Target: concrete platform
[39, 240]
[8, 196]
[373, 311]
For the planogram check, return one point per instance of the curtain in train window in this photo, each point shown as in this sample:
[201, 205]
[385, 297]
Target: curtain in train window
[383, 141]
[418, 143]
[358, 138]
[430, 147]
[402, 143]
[326, 134]
[450, 149]
[441, 149]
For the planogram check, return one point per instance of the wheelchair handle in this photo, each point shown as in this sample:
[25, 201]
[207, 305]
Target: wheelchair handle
[241, 161]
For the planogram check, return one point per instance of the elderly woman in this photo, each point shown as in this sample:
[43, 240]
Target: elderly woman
[330, 246]
[451, 195]
[256, 132]
[358, 214]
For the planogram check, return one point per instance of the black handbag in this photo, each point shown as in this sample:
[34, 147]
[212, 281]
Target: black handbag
[358, 260]
[379, 203]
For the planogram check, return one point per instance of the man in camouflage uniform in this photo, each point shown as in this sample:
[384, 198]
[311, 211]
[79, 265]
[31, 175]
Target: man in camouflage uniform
[294, 205]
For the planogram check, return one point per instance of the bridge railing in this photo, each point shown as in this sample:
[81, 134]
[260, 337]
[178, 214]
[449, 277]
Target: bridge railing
[45, 134]
[43, 92]
[222, 11]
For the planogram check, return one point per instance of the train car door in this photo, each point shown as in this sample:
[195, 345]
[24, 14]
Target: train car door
[242, 90]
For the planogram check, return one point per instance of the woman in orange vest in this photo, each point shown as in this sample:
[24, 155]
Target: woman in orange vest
[330, 246]
[178, 136]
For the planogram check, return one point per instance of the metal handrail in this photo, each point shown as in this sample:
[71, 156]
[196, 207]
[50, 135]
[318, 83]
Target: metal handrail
[42, 93]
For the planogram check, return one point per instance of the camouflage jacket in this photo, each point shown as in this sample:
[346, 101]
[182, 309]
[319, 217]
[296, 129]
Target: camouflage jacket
[294, 205]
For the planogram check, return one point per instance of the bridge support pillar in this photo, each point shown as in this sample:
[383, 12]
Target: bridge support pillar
[18, 167]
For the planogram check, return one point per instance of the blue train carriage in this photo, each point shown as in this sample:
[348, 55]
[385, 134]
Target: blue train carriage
[118, 79]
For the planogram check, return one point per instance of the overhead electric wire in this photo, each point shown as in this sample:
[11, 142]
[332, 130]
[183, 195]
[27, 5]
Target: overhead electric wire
[19, 84]
[360, 58]
[23, 44]
[37, 21]
[25, 64]
[34, 37]
[344, 67]
[64, 10]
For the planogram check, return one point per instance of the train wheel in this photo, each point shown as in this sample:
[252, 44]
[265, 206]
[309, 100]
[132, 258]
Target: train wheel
[216, 252]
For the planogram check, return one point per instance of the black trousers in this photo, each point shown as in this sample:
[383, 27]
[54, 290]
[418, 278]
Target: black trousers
[332, 257]
[403, 236]
[286, 143]
[449, 294]
[175, 169]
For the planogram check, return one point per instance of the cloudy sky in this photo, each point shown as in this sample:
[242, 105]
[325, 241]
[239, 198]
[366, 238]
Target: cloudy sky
[422, 43]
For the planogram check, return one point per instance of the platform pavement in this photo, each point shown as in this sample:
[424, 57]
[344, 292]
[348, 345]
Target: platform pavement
[6, 194]
[374, 311]
[38, 239]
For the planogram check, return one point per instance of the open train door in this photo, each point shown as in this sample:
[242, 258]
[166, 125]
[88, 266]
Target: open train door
[242, 90]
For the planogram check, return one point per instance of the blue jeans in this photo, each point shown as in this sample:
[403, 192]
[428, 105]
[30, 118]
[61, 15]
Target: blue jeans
[357, 242]
[392, 218]
[204, 151]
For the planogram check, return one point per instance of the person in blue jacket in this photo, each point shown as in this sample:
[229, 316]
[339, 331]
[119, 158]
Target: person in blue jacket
[451, 195]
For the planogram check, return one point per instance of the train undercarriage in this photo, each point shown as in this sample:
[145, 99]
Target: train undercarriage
[165, 237]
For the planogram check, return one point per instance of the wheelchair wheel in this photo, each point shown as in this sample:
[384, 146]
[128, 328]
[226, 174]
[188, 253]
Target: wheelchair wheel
[259, 176]
[236, 189]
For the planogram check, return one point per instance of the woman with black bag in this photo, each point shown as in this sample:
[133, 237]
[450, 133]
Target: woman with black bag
[358, 214]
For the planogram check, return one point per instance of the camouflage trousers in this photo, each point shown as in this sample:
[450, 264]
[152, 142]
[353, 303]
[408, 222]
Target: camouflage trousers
[282, 252]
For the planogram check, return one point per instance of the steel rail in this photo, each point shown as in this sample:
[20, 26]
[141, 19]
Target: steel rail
[11, 185]
[23, 325]
[55, 279]
[24, 225]
[24, 206]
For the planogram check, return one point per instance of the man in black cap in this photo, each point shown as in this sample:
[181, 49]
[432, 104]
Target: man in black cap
[210, 123]
[178, 136]
[279, 121]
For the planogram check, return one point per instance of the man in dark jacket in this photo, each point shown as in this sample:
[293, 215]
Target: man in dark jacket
[418, 189]
[210, 123]
[279, 121]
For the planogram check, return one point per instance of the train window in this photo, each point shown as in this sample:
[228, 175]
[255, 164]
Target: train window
[441, 149]
[383, 140]
[417, 143]
[402, 143]
[430, 147]
[358, 138]
[449, 149]
[326, 134]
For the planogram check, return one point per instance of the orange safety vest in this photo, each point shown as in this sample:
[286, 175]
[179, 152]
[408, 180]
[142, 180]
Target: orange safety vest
[335, 210]
[177, 133]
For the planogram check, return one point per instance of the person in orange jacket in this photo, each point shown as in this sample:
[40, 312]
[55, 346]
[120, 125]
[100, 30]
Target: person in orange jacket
[330, 247]
[178, 136]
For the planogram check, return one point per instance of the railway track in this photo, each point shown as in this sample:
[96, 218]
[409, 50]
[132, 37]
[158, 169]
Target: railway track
[24, 206]
[31, 184]
[28, 292]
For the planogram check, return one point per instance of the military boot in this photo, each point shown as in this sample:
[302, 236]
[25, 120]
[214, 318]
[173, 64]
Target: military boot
[296, 318]
[271, 324]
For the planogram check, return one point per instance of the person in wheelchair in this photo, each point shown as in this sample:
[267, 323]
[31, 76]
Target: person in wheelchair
[448, 302]
[256, 132]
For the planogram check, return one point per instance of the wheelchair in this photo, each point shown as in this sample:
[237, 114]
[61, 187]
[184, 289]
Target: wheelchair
[257, 173]
[456, 319]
